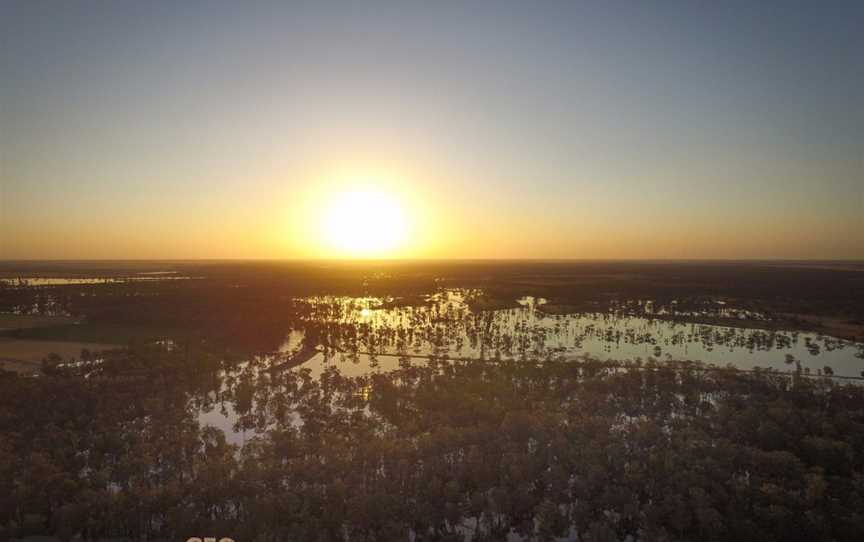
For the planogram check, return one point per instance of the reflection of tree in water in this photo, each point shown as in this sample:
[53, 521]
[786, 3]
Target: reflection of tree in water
[445, 325]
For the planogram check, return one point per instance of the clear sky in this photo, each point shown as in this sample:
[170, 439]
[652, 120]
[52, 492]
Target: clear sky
[500, 129]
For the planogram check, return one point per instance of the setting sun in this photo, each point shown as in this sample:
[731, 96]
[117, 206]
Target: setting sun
[364, 223]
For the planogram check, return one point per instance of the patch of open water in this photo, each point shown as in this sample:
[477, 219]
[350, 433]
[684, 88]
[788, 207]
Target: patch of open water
[362, 335]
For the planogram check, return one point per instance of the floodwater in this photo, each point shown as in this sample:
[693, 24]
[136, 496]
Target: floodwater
[447, 327]
[363, 335]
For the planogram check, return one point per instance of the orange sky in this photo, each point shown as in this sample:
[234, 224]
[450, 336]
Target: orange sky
[579, 130]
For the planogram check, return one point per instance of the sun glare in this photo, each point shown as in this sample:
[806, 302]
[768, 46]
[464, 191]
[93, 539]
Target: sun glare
[365, 223]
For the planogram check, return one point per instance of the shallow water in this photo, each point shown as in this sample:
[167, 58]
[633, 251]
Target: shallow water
[364, 335]
[447, 327]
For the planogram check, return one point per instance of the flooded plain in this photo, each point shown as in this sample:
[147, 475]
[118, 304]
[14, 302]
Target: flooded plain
[364, 335]
[294, 384]
[446, 327]
[361, 336]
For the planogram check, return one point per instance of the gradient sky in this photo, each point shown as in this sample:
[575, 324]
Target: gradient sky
[508, 129]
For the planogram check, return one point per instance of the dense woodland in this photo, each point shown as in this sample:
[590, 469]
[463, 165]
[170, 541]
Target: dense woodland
[112, 447]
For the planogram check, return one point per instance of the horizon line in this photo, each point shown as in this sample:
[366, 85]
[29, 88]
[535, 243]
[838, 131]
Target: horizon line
[420, 259]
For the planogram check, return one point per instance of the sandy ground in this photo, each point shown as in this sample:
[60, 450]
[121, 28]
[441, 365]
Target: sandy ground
[26, 356]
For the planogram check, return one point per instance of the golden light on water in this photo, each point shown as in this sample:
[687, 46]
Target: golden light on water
[365, 222]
